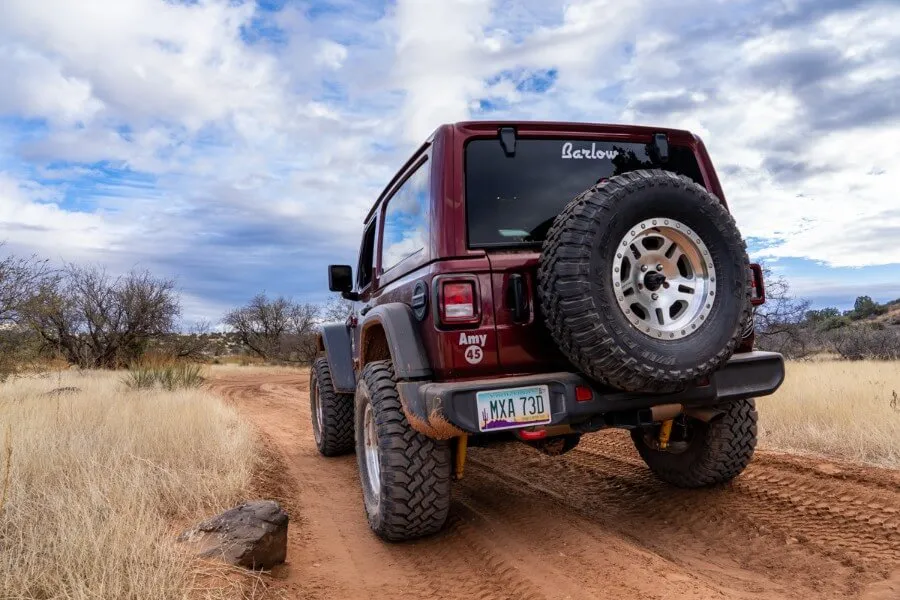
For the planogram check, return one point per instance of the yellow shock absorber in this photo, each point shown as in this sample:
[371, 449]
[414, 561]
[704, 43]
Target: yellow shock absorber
[462, 442]
[665, 431]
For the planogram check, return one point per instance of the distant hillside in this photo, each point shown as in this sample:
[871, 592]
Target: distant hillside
[869, 330]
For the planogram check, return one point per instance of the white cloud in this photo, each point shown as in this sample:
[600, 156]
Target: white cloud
[33, 221]
[37, 87]
[256, 149]
[331, 54]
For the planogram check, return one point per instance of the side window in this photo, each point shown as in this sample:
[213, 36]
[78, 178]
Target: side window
[366, 265]
[406, 219]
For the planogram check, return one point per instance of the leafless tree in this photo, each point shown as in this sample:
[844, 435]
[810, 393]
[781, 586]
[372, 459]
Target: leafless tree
[780, 321]
[193, 343]
[20, 278]
[275, 328]
[97, 320]
[336, 310]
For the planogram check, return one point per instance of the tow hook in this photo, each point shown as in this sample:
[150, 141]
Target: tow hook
[462, 443]
[665, 432]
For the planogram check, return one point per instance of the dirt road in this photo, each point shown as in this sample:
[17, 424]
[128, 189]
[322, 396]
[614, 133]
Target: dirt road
[590, 524]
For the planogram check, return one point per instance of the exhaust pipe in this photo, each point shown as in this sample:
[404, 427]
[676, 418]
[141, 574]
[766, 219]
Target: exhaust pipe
[664, 412]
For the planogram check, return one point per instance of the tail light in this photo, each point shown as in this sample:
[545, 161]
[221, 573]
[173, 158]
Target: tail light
[583, 393]
[459, 302]
[757, 287]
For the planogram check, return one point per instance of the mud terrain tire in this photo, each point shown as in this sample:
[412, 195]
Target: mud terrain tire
[717, 453]
[411, 498]
[578, 294]
[333, 433]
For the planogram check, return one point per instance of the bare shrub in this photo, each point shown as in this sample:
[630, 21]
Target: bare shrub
[276, 328]
[866, 342]
[99, 321]
[20, 352]
[99, 477]
[195, 343]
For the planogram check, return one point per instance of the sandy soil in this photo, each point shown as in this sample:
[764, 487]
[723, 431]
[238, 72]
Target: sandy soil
[593, 523]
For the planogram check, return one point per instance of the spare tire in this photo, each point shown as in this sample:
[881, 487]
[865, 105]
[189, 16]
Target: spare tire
[644, 282]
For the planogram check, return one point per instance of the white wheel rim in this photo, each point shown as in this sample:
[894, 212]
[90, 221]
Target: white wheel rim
[373, 460]
[664, 279]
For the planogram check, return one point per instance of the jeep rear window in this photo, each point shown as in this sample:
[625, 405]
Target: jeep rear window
[512, 200]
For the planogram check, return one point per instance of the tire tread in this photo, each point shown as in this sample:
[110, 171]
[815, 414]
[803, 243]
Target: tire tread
[337, 434]
[415, 469]
[727, 448]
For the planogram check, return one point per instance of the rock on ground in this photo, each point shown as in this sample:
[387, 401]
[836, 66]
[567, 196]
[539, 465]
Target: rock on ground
[251, 535]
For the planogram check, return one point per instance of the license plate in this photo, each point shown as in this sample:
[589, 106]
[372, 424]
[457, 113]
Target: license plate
[513, 407]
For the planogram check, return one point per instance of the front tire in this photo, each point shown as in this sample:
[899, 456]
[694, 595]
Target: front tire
[332, 413]
[405, 475]
[711, 453]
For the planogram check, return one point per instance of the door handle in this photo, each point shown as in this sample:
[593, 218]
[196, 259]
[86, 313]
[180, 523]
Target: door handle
[516, 299]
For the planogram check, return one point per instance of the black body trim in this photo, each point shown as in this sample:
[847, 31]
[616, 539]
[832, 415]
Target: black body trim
[339, 351]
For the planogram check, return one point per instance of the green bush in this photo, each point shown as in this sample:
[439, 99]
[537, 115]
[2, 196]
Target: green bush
[866, 307]
[832, 323]
[168, 377]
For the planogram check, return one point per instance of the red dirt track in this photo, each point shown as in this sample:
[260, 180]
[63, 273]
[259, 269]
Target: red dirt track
[593, 523]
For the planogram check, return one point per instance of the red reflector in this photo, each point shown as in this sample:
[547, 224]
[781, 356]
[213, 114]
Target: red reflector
[703, 382]
[532, 434]
[458, 301]
[583, 393]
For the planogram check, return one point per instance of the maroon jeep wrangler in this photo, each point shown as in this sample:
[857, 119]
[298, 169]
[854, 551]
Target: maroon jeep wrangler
[541, 281]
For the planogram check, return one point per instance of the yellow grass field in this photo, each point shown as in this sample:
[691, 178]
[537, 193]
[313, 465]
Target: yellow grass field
[836, 408]
[95, 484]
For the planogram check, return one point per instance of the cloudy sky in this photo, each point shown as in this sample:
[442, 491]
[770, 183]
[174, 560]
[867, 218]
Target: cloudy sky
[237, 145]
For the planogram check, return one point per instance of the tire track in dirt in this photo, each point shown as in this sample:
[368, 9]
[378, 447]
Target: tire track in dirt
[698, 530]
[862, 520]
[828, 556]
[592, 523]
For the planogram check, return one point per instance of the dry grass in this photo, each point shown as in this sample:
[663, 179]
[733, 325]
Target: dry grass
[238, 369]
[243, 360]
[101, 479]
[836, 408]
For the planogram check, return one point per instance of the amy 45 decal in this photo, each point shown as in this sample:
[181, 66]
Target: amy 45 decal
[474, 346]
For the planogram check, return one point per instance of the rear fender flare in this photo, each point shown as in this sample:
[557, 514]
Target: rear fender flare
[393, 325]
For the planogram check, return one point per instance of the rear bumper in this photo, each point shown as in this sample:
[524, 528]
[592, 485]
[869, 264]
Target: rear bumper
[447, 409]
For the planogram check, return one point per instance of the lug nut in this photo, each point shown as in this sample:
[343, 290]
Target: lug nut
[643, 267]
[654, 296]
[659, 267]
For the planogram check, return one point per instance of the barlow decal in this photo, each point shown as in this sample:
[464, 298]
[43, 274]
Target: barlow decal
[591, 152]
